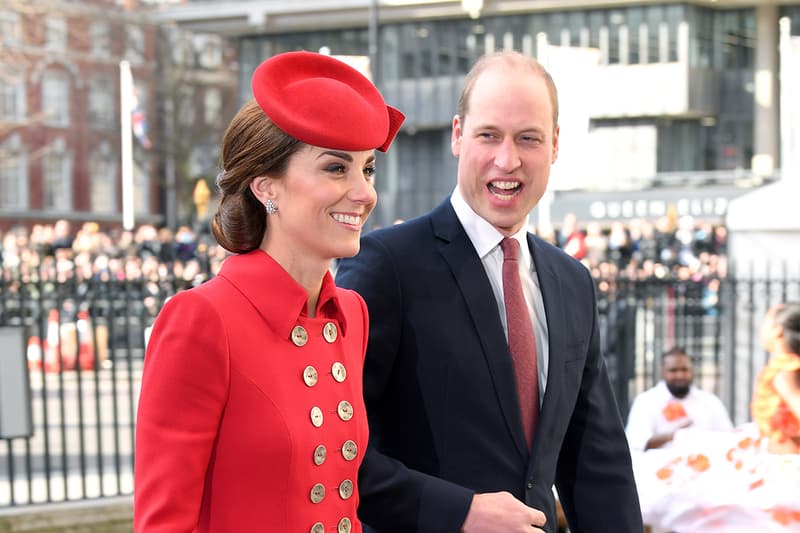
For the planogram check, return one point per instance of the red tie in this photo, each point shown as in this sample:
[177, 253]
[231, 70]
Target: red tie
[521, 339]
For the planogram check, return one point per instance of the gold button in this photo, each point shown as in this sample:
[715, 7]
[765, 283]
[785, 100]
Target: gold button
[339, 372]
[317, 493]
[349, 450]
[318, 528]
[344, 525]
[329, 332]
[299, 336]
[310, 376]
[345, 410]
[320, 454]
[316, 416]
[346, 489]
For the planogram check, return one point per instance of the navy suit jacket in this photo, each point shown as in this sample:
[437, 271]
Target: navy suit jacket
[440, 391]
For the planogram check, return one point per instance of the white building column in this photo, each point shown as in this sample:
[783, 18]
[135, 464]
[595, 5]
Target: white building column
[766, 124]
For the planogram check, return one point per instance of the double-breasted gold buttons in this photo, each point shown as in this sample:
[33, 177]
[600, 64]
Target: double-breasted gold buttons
[329, 332]
[316, 416]
[320, 454]
[319, 527]
[338, 371]
[317, 493]
[346, 489]
[344, 410]
[349, 450]
[310, 376]
[299, 336]
[344, 525]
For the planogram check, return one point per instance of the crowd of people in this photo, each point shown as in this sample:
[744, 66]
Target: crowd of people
[46, 252]
[669, 248]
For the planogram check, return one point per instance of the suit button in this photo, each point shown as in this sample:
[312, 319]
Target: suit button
[344, 525]
[346, 489]
[318, 528]
[339, 372]
[320, 454]
[349, 450]
[345, 410]
[317, 493]
[329, 332]
[530, 484]
[310, 376]
[316, 416]
[299, 336]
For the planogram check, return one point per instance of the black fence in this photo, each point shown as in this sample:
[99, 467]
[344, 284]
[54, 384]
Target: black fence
[85, 348]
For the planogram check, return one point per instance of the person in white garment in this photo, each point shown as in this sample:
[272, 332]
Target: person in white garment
[674, 403]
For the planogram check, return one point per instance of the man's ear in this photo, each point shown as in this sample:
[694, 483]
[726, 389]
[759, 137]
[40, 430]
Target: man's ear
[455, 136]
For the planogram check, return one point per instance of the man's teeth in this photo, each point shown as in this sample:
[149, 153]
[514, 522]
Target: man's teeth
[504, 188]
[347, 219]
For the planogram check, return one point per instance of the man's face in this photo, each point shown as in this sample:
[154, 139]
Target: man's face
[505, 145]
[677, 373]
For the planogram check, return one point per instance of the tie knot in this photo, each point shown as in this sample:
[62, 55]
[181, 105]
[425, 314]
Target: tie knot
[510, 248]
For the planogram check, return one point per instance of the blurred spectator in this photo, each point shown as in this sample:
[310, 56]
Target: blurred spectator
[570, 238]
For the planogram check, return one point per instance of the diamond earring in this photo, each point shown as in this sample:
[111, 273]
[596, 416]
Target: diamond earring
[270, 207]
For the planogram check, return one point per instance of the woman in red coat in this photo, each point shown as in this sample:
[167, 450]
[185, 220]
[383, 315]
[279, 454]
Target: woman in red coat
[251, 415]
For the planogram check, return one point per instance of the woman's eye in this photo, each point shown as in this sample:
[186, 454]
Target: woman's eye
[370, 172]
[335, 169]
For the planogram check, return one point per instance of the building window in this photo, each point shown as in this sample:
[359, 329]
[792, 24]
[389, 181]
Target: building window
[13, 174]
[186, 105]
[134, 44]
[182, 48]
[100, 39]
[211, 56]
[141, 183]
[101, 102]
[57, 169]
[55, 34]
[10, 28]
[12, 95]
[103, 178]
[55, 98]
[212, 106]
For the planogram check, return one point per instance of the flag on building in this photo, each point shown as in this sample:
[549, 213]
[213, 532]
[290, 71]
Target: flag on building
[138, 119]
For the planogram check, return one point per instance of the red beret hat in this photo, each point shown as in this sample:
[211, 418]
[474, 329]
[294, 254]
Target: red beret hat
[322, 101]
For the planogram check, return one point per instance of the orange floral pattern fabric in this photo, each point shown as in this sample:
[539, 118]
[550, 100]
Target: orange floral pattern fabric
[774, 418]
[674, 411]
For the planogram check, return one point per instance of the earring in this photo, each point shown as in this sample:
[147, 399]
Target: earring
[270, 207]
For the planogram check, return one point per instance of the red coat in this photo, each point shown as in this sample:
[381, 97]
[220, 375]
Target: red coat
[234, 407]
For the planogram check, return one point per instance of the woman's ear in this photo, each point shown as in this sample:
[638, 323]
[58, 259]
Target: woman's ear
[263, 188]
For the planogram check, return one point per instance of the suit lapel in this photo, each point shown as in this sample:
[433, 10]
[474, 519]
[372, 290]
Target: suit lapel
[554, 308]
[470, 275]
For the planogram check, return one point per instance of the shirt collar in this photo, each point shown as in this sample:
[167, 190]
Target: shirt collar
[279, 299]
[484, 237]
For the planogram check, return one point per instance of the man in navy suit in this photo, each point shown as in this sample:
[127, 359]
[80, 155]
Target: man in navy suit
[448, 452]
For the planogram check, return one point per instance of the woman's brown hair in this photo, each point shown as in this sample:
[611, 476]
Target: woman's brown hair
[252, 146]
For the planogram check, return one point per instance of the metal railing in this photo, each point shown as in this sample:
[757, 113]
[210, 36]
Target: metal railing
[86, 346]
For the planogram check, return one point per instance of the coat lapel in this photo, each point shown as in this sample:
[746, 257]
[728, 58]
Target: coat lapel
[470, 275]
[554, 307]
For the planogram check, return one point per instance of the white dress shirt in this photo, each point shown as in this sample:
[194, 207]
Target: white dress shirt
[486, 240]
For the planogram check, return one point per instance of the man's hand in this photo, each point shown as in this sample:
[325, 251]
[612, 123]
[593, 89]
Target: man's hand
[500, 511]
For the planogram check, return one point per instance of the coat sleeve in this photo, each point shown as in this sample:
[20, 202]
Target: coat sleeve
[393, 497]
[184, 390]
[594, 475]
